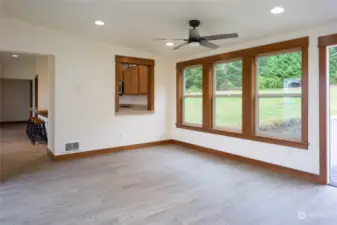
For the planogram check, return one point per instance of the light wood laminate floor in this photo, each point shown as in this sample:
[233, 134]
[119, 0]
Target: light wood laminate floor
[17, 154]
[162, 185]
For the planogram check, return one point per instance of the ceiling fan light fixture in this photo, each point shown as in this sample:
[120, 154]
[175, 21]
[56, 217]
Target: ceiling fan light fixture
[194, 44]
[170, 44]
[277, 10]
[15, 56]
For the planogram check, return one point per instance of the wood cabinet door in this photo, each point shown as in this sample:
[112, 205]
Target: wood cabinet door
[143, 80]
[131, 83]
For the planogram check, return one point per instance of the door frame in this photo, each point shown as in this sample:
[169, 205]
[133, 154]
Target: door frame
[31, 98]
[36, 82]
[323, 43]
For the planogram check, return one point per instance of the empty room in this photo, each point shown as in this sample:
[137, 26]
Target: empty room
[168, 112]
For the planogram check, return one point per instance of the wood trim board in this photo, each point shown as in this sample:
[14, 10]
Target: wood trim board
[179, 95]
[134, 60]
[30, 97]
[36, 83]
[323, 42]
[305, 95]
[327, 40]
[118, 72]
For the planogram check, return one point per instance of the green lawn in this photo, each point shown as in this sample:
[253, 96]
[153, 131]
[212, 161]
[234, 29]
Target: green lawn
[228, 110]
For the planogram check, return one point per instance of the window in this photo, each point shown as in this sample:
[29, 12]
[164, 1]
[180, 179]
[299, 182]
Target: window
[259, 94]
[192, 97]
[279, 92]
[228, 96]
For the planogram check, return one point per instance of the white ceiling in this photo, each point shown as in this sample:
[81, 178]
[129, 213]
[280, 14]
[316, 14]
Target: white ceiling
[134, 23]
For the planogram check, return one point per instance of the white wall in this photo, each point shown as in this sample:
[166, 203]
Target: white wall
[84, 89]
[15, 100]
[51, 106]
[43, 81]
[305, 160]
[18, 69]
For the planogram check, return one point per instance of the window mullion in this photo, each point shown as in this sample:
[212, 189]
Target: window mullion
[305, 100]
[248, 96]
[207, 96]
[180, 83]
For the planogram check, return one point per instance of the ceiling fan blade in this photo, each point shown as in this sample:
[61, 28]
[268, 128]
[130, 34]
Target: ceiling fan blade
[169, 39]
[193, 33]
[220, 36]
[208, 44]
[179, 46]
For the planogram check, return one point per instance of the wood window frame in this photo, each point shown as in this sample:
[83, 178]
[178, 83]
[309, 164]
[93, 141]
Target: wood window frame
[248, 57]
[119, 60]
[323, 43]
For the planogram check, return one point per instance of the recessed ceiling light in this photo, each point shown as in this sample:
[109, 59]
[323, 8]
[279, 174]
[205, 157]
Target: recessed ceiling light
[169, 43]
[277, 10]
[15, 56]
[99, 22]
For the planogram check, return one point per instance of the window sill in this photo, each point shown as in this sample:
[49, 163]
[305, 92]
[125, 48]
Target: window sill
[128, 111]
[268, 140]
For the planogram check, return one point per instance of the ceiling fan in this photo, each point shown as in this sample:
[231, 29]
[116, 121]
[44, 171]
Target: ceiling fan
[194, 37]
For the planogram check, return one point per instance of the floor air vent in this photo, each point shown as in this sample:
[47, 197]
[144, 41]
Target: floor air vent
[72, 146]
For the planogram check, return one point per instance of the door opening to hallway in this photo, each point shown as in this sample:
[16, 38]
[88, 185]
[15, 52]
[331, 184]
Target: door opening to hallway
[23, 100]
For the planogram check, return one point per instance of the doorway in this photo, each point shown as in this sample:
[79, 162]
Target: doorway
[24, 94]
[332, 111]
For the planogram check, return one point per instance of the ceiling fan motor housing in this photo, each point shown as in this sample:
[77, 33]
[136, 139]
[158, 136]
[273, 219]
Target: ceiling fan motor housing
[194, 23]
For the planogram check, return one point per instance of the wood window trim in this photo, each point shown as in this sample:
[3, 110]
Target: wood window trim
[252, 52]
[323, 43]
[119, 60]
[248, 57]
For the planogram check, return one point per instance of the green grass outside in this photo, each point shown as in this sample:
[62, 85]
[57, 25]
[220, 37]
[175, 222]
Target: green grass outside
[228, 111]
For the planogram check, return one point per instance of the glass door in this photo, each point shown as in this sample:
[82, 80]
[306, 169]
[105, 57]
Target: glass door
[332, 70]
